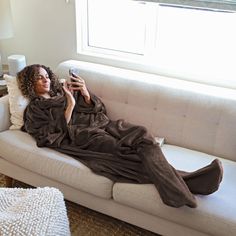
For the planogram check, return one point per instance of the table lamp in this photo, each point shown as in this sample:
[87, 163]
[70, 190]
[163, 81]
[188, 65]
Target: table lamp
[6, 29]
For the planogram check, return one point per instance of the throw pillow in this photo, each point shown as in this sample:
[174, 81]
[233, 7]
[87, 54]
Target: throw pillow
[17, 102]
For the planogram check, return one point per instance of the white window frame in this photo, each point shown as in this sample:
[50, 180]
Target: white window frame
[82, 39]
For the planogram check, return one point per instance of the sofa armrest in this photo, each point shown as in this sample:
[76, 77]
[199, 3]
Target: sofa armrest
[4, 113]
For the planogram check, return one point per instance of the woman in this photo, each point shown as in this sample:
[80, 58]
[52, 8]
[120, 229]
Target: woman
[72, 120]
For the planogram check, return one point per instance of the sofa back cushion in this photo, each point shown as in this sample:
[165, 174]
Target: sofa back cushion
[187, 114]
[17, 102]
[4, 113]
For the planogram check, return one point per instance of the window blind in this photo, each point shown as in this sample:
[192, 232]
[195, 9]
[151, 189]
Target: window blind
[224, 5]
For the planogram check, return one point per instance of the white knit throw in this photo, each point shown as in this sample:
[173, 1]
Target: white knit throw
[33, 212]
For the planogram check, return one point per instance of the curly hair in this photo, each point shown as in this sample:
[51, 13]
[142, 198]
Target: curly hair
[26, 80]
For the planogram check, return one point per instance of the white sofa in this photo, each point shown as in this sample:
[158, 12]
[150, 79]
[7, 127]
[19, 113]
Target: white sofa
[197, 121]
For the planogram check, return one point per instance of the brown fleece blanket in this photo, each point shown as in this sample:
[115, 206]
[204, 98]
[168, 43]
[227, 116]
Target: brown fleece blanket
[118, 150]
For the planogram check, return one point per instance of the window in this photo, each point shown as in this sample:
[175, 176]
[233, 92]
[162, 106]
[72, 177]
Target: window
[190, 43]
[114, 28]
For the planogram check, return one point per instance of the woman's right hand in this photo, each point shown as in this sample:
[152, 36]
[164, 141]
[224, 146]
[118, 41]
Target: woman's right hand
[69, 94]
[70, 102]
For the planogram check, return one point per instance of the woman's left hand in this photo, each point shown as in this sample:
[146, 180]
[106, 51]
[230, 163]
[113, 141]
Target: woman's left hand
[78, 84]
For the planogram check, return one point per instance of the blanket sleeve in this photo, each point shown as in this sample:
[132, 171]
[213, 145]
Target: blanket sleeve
[45, 123]
[44, 119]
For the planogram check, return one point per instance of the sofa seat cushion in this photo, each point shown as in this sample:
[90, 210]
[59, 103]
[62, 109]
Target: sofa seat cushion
[20, 148]
[215, 214]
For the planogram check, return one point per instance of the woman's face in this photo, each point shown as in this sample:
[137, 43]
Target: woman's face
[42, 82]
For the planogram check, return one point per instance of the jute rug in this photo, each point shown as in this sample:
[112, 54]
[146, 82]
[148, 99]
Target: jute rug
[86, 222]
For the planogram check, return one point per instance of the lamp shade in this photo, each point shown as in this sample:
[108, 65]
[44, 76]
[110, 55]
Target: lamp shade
[6, 29]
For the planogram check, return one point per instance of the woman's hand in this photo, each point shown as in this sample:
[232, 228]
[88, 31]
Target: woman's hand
[70, 102]
[78, 84]
[69, 94]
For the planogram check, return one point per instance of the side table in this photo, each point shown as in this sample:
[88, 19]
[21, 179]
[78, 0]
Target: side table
[3, 89]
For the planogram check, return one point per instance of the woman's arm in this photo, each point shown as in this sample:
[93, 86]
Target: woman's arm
[76, 84]
[70, 103]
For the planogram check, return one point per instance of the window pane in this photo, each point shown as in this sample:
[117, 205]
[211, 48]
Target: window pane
[117, 25]
[197, 43]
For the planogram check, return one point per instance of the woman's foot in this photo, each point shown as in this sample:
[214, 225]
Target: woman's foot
[205, 180]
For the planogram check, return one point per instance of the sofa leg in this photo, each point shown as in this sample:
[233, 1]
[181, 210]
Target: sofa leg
[8, 181]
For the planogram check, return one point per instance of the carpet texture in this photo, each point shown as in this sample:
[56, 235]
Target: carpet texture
[33, 211]
[86, 222]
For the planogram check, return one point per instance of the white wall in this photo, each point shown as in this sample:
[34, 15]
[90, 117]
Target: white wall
[44, 31]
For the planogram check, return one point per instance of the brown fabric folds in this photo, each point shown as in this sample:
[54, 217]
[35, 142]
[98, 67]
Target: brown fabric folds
[118, 150]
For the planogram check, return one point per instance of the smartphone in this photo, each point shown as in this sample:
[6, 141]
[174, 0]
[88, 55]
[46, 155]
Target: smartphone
[74, 72]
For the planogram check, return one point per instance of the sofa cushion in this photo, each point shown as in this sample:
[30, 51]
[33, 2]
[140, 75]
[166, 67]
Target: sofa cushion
[215, 214]
[167, 107]
[17, 102]
[20, 148]
[4, 113]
